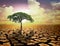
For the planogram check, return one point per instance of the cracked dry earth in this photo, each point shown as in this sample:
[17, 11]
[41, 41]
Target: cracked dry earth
[48, 36]
[36, 40]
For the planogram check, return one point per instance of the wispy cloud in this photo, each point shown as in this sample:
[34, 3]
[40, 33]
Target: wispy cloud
[39, 14]
[5, 11]
[56, 5]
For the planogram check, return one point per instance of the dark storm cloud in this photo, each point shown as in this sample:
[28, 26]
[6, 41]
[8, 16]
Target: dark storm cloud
[12, 2]
[44, 3]
[47, 3]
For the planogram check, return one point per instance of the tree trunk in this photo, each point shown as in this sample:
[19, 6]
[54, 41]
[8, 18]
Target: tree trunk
[21, 28]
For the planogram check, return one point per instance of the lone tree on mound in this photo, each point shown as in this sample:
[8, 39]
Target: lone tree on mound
[19, 16]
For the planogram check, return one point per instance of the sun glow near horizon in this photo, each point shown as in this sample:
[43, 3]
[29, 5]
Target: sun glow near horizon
[22, 10]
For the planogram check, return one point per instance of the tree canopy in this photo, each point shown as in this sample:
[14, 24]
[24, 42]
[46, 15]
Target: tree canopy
[19, 16]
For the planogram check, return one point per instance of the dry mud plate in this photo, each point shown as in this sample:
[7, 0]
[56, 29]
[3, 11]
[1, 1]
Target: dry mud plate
[43, 35]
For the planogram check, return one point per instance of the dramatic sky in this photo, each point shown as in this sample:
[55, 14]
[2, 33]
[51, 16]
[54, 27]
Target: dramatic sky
[40, 10]
[23, 4]
[15, 3]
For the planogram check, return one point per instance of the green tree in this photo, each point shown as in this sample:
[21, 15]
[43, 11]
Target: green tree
[19, 16]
